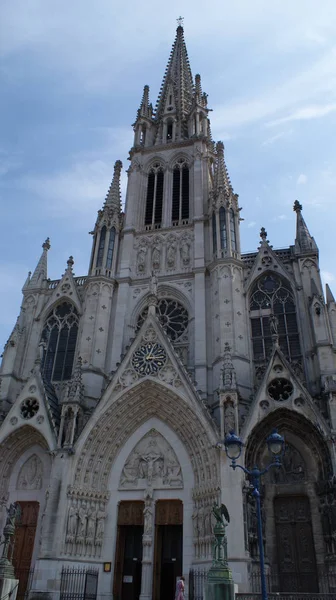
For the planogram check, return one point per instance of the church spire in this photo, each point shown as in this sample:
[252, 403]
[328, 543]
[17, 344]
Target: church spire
[145, 110]
[222, 181]
[41, 270]
[177, 89]
[113, 197]
[304, 242]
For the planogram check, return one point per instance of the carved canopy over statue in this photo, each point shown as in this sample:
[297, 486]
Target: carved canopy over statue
[152, 462]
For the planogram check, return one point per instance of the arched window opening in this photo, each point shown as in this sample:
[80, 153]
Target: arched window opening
[60, 337]
[142, 137]
[232, 230]
[180, 199]
[110, 249]
[222, 228]
[93, 250]
[154, 200]
[100, 254]
[214, 234]
[272, 297]
[174, 319]
[169, 130]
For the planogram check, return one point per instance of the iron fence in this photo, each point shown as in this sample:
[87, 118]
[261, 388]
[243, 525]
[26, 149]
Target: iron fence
[79, 583]
[286, 596]
[197, 579]
[25, 577]
[323, 582]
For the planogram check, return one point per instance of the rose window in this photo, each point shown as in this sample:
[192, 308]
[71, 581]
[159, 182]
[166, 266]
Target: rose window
[280, 389]
[29, 408]
[172, 316]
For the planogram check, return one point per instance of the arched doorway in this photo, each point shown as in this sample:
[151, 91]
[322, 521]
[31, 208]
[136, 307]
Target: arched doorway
[293, 536]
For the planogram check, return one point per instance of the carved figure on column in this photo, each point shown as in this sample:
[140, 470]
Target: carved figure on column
[101, 516]
[156, 258]
[273, 324]
[171, 255]
[70, 425]
[82, 524]
[185, 253]
[72, 522]
[141, 259]
[229, 418]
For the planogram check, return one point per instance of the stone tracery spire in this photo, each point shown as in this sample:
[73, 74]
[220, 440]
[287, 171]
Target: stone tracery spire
[178, 74]
[113, 197]
[145, 109]
[41, 271]
[222, 180]
[304, 241]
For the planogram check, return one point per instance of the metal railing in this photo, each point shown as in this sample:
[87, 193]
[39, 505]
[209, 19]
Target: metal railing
[321, 582]
[197, 579]
[78, 583]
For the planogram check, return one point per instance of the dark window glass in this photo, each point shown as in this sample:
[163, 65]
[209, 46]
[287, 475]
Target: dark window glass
[185, 194]
[60, 337]
[154, 200]
[271, 295]
[232, 230]
[101, 247]
[214, 234]
[222, 228]
[180, 198]
[176, 195]
[110, 249]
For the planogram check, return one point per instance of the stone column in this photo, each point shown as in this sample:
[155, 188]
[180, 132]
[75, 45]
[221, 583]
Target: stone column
[147, 547]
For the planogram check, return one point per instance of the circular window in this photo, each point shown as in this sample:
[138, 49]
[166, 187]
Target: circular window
[280, 389]
[29, 408]
[172, 316]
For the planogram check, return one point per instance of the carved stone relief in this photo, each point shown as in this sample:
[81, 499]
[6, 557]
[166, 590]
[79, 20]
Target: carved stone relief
[173, 250]
[31, 474]
[152, 462]
[85, 524]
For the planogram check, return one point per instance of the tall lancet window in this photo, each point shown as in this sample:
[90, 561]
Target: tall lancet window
[272, 297]
[214, 234]
[110, 249]
[59, 337]
[154, 200]
[101, 247]
[233, 230]
[222, 228]
[180, 199]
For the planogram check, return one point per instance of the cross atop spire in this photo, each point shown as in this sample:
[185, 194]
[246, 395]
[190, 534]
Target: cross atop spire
[180, 21]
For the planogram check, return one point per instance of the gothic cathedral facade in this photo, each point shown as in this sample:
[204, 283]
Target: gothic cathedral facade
[118, 387]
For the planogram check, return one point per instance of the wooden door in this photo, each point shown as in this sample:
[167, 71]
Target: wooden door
[128, 557]
[295, 544]
[24, 543]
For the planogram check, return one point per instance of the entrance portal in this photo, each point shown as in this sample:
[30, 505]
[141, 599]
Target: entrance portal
[24, 544]
[168, 548]
[128, 564]
[295, 544]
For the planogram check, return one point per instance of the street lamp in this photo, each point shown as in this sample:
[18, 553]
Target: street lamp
[233, 448]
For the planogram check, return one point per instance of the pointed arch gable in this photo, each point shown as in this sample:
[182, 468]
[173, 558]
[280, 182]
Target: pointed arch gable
[285, 420]
[13, 447]
[100, 445]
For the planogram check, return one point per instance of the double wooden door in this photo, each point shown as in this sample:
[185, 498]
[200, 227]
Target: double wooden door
[168, 548]
[295, 544]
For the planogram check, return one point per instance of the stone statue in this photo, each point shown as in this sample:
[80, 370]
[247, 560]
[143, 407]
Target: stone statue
[156, 258]
[229, 418]
[69, 427]
[72, 522]
[91, 524]
[273, 323]
[141, 260]
[13, 515]
[153, 286]
[185, 253]
[82, 522]
[171, 256]
[101, 516]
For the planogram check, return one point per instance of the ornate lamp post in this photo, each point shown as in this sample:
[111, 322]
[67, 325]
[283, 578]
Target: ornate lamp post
[233, 447]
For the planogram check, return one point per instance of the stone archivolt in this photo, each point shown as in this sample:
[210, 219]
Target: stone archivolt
[126, 415]
[152, 462]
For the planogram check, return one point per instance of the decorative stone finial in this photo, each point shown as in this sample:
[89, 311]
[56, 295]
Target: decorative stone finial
[180, 21]
[70, 263]
[263, 234]
[297, 206]
[46, 244]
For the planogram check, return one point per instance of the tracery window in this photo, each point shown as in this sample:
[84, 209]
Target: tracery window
[110, 249]
[60, 337]
[101, 247]
[180, 199]
[214, 234]
[232, 229]
[174, 319]
[272, 296]
[154, 200]
[222, 228]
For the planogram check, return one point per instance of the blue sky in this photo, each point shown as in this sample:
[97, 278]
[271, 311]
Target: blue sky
[71, 79]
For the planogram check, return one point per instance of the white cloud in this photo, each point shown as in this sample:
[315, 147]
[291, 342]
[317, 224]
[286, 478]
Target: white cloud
[277, 137]
[302, 179]
[306, 113]
[281, 218]
[251, 224]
